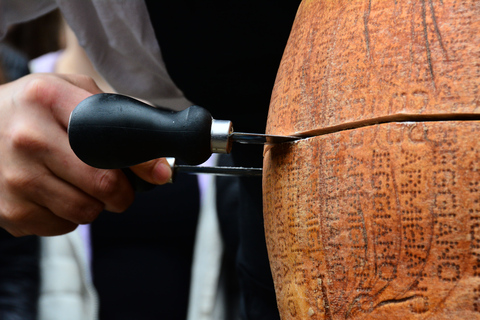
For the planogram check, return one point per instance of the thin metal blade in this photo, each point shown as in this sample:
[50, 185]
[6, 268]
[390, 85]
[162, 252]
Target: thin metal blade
[257, 138]
[219, 171]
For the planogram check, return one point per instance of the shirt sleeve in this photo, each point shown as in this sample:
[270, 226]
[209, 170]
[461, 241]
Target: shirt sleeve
[17, 11]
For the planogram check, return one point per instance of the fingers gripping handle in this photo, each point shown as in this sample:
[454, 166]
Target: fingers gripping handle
[111, 131]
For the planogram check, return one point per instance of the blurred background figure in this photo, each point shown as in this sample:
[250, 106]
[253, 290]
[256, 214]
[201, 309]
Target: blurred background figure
[19, 257]
[134, 265]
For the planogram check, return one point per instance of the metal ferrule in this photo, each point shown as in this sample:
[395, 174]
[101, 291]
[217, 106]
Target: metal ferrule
[220, 136]
[171, 163]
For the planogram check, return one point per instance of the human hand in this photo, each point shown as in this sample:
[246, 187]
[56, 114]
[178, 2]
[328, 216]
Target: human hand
[44, 188]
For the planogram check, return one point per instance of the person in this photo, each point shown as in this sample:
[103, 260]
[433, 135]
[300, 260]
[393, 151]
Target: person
[77, 277]
[220, 55]
[19, 257]
[19, 263]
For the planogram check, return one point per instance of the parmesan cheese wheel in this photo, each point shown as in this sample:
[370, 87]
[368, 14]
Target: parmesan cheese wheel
[377, 215]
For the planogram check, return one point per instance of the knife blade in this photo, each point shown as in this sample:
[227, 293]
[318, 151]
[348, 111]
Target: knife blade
[258, 138]
[141, 185]
[214, 170]
[218, 170]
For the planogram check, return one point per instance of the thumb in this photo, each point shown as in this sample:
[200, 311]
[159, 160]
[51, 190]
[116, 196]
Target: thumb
[156, 171]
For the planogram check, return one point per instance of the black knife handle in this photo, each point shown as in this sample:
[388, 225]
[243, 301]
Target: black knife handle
[111, 131]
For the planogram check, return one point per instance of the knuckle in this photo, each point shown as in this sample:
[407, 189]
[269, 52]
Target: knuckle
[39, 89]
[22, 220]
[83, 212]
[86, 80]
[24, 137]
[106, 183]
[113, 189]
[16, 218]
[16, 180]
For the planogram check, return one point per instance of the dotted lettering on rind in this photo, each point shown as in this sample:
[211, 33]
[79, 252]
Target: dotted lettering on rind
[386, 218]
[353, 232]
